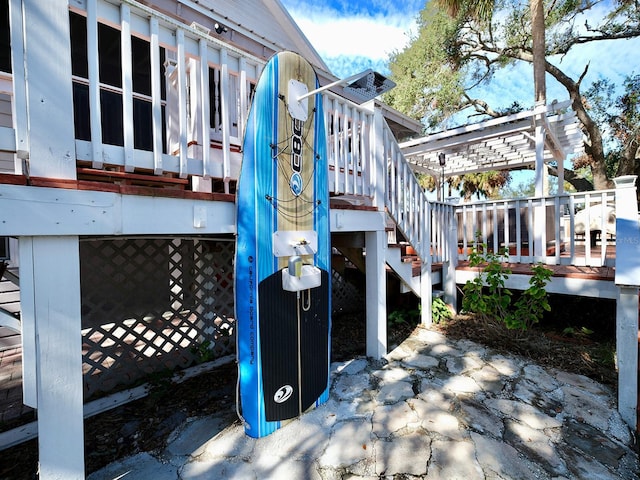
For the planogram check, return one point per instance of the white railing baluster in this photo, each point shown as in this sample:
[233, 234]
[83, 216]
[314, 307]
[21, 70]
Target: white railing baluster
[557, 231]
[594, 213]
[335, 145]
[494, 213]
[156, 99]
[244, 97]
[506, 225]
[95, 121]
[205, 108]
[19, 99]
[603, 231]
[518, 229]
[182, 103]
[127, 85]
[226, 119]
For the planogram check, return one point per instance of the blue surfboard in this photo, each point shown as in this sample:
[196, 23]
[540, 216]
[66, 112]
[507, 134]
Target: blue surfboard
[283, 250]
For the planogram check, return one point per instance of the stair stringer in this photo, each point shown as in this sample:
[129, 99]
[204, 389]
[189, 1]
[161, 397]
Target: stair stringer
[404, 270]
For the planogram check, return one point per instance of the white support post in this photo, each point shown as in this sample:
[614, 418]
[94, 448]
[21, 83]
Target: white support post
[540, 220]
[376, 293]
[426, 287]
[426, 293]
[628, 280]
[627, 353]
[51, 287]
[449, 266]
[27, 314]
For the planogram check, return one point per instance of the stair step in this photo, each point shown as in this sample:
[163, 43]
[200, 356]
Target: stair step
[437, 293]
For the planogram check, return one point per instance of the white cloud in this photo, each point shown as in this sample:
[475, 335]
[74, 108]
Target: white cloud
[360, 34]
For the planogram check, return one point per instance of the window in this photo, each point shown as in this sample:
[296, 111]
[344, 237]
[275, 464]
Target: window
[5, 37]
[4, 249]
[110, 73]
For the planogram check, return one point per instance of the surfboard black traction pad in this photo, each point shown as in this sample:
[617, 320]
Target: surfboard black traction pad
[279, 345]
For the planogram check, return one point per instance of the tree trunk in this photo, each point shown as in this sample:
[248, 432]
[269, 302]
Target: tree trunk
[593, 145]
[539, 50]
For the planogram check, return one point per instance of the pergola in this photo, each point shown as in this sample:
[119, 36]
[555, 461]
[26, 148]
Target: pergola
[522, 140]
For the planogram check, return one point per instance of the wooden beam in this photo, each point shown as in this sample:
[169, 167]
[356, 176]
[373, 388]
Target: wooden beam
[34, 211]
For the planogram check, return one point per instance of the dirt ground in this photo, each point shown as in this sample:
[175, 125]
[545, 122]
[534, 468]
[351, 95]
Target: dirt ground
[144, 425]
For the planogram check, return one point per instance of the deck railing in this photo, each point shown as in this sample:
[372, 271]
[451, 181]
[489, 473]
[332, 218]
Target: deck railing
[349, 147]
[425, 225]
[568, 229]
[185, 90]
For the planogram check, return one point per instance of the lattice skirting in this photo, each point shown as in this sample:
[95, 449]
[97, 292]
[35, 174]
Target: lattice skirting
[158, 304]
[150, 305]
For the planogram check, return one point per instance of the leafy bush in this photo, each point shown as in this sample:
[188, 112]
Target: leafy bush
[533, 302]
[487, 296]
[439, 310]
[493, 303]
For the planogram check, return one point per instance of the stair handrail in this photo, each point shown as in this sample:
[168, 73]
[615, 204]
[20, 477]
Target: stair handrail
[425, 224]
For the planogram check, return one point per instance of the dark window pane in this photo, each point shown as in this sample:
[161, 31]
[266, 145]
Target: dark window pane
[5, 37]
[81, 111]
[141, 66]
[111, 106]
[142, 126]
[78, 26]
[163, 80]
[110, 55]
[164, 129]
[4, 248]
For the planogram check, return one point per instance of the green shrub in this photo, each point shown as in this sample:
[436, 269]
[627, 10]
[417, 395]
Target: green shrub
[487, 296]
[439, 310]
[495, 302]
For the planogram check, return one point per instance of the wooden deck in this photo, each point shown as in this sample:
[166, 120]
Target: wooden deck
[569, 271]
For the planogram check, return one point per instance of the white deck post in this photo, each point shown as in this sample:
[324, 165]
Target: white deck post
[50, 287]
[50, 276]
[376, 293]
[426, 293]
[449, 266]
[628, 280]
[627, 353]
[539, 212]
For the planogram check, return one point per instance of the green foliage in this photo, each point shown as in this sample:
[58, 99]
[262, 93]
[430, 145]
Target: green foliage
[403, 316]
[605, 353]
[459, 46]
[534, 301]
[617, 111]
[487, 296]
[203, 352]
[429, 82]
[439, 311]
[577, 332]
[495, 302]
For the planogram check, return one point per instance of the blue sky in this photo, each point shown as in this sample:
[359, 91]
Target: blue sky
[356, 34]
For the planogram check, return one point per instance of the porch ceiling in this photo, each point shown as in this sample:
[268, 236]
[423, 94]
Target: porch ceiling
[504, 143]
